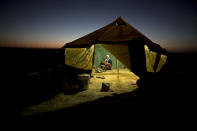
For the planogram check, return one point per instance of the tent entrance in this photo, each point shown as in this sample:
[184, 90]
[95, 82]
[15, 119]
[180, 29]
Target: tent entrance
[120, 75]
[90, 59]
[99, 55]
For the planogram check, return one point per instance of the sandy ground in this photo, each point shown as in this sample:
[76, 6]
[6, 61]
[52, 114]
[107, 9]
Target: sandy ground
[119, 84]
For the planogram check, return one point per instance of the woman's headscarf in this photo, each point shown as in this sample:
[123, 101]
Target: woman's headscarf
[107, 57]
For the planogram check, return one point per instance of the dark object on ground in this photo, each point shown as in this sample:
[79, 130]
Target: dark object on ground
[102, 77]
[84, 80]
[105, 86]
[75, 85]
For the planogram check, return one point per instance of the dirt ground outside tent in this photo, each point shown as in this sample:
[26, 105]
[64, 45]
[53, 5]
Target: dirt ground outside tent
[119, 84]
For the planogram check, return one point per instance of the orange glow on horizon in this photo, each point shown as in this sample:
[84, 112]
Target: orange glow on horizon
[180, 48]
[58, 44]
[38, 44]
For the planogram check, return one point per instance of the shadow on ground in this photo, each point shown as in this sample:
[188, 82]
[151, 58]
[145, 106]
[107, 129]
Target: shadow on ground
[124, 105]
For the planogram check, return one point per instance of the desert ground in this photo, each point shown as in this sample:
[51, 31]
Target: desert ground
[122, 81]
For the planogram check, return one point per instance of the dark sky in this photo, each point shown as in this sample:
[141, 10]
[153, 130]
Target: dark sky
[52, 23]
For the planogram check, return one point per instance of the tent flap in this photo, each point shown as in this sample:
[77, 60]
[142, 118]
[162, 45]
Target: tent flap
[81, 58]
[120, 51]
[154, 61]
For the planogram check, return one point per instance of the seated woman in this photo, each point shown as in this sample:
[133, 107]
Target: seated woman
[107, 63]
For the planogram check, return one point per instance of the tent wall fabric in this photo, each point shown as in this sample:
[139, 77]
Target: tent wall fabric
[99, 55]
[81, 58]
[151, 58]
[120, 51]
[137, 57]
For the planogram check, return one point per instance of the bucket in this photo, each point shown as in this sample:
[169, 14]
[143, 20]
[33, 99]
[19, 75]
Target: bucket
[84, 81]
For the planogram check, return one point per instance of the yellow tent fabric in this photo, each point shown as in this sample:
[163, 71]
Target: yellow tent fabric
[161, 62]
[151, 58]
[120, 51]
[81, 58]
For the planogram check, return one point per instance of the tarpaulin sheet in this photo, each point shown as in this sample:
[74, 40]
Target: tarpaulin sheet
[81, 58]
[151, 59]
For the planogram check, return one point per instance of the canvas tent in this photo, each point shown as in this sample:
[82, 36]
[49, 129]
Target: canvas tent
[127, 44]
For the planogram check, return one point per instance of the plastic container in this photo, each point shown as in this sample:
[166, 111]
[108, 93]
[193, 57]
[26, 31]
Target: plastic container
[84, 81]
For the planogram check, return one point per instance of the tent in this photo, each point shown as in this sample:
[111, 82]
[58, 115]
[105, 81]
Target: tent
[127, 44]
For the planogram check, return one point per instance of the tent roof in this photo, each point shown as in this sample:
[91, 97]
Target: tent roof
[119, 31]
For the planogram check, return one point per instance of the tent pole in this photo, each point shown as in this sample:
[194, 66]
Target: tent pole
[117, 67]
